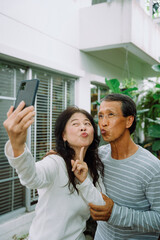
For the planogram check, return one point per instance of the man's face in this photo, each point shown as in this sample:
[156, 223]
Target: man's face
[111, 121]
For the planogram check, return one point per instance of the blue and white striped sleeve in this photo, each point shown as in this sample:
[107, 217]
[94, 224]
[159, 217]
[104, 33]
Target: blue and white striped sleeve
[141, 221]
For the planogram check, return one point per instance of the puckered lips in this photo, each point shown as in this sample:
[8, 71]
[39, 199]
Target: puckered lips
[103, 131]
[84, 134]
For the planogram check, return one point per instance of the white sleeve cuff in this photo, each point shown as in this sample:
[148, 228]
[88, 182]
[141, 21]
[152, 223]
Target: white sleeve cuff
[9, 151]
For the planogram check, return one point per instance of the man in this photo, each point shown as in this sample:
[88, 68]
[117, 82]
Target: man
[131, 177]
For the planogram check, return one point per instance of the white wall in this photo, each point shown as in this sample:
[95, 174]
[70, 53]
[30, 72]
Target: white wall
[120, 22]
[148, 36]
[46, 33]
[40, 31]
[57, 19]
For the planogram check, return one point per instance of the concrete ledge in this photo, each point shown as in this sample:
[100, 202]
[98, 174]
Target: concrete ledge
[16, 226]
[119, 24]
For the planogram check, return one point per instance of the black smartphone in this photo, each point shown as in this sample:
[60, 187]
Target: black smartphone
[27, 92]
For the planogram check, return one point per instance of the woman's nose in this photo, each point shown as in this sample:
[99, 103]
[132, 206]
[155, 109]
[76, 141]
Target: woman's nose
[83, 127]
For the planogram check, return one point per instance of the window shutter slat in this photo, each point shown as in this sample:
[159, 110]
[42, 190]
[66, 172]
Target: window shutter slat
[10, 199]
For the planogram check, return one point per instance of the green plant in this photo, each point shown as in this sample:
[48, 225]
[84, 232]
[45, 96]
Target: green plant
[23, 237]
[114, 86]
[156, 67]
[154, 122]
[149, 118]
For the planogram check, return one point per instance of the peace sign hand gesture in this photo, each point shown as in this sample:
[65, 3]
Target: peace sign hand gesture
[79, 167]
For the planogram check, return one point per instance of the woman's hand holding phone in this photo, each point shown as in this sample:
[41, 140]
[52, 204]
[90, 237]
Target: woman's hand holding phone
[16, 125]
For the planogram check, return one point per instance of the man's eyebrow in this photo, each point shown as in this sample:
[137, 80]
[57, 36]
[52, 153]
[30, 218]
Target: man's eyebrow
[107, 110]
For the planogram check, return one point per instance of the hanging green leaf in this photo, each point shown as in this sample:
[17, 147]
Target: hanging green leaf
[153, 121]
[154, 131]
[94, 103]
[102, 96]
[156, 67]
[130, 90]
[157, 85]
[113, 85]
[156, 145]
[155, 106]
[142, 111]
[156, 96]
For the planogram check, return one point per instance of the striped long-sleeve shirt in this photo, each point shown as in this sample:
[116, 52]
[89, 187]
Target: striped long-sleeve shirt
[134, 186]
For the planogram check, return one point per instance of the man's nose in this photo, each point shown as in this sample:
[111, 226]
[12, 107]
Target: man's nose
[104, 121]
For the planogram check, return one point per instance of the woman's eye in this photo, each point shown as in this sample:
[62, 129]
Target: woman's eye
[88, 123]
[75, 124]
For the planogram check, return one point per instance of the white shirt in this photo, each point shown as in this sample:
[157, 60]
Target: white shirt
[59, 214]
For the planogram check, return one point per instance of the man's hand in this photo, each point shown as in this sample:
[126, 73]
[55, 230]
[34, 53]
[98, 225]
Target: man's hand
[102, 213]
[50, 153]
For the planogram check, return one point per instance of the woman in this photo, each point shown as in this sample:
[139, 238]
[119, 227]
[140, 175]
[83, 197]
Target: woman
[65, 188]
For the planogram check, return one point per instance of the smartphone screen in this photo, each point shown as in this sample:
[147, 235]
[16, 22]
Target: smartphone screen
[27, 92]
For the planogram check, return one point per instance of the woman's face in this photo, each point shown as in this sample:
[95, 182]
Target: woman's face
[78, 131]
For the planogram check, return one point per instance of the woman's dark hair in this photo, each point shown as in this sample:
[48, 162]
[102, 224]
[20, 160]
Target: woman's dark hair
[128, 106]
[67, 153]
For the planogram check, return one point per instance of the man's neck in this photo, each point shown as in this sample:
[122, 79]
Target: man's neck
[123, 149]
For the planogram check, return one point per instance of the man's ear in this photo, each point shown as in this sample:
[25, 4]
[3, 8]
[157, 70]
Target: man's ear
[129, 122]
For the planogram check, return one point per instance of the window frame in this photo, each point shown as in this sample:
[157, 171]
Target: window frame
[69, 88]
[99, 87]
